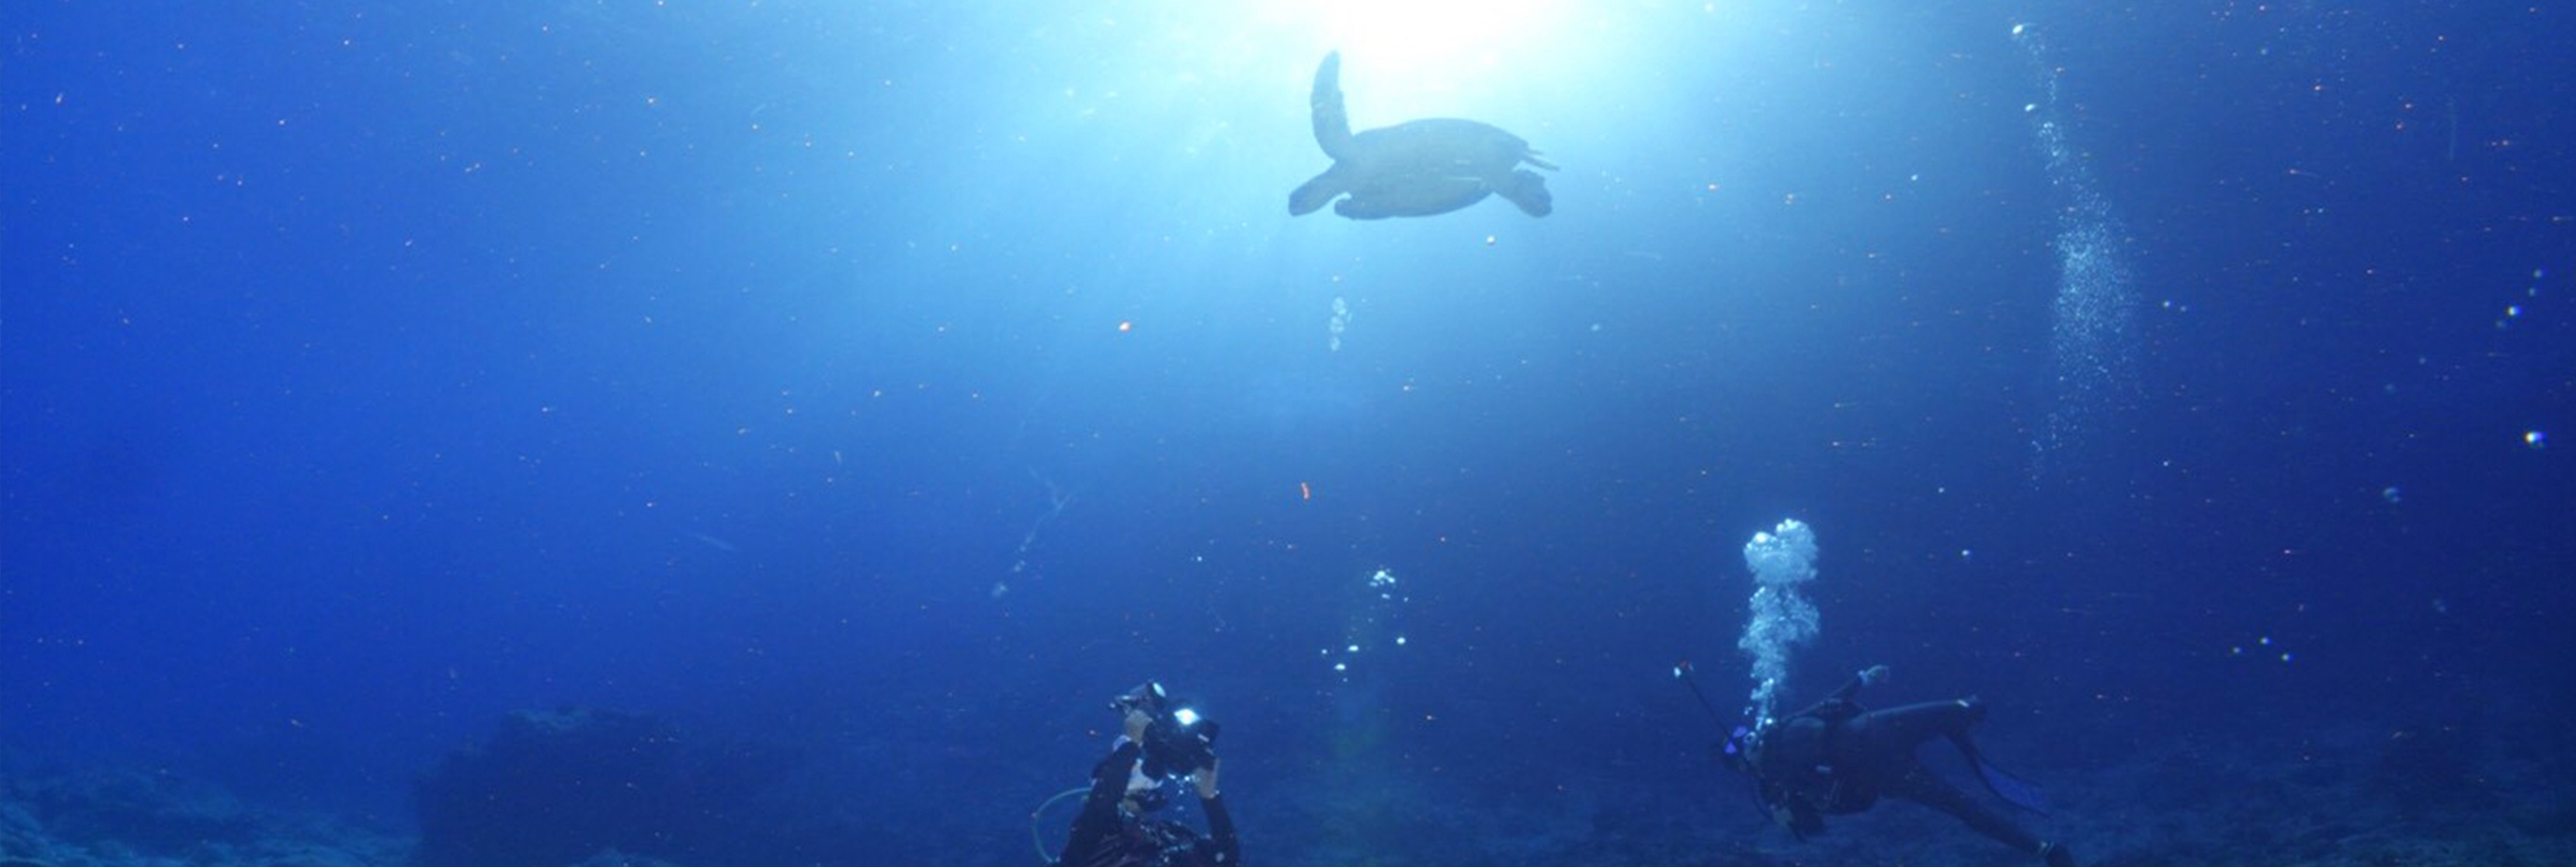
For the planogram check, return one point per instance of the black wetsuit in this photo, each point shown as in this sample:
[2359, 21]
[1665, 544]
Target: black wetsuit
[1836, 758]
[1105, 836]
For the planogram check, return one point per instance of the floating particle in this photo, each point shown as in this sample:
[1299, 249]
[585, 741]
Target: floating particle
[2391, 493]
[2535, 438]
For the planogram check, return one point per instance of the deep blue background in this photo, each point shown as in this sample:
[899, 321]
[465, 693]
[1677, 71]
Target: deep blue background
[369, 371]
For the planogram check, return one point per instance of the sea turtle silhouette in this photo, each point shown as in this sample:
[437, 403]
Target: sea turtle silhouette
[1417, 168]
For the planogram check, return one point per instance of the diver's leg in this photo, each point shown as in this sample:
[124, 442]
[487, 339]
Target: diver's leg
[1920, 785]
[2006, 786]
[1898, 730]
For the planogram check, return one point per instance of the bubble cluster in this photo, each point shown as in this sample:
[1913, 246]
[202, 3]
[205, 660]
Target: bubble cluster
[2092, 340]
[2264, 648]
[1782, 618]
[1373, 624]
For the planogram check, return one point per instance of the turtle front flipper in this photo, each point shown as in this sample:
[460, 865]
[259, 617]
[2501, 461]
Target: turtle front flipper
[1315, 193]
[1332, 121]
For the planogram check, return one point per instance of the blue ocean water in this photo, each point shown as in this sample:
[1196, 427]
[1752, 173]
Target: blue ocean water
[868, 392]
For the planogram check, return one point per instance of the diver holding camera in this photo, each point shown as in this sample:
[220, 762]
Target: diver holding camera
[1162, 741]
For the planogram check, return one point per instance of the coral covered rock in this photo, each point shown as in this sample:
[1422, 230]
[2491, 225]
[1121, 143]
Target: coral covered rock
[551, 788]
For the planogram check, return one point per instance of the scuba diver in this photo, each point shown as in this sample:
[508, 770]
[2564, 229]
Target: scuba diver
[1162, 741]
[1839, 758]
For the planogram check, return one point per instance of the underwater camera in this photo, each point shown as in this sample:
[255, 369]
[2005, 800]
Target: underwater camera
[1179, 740]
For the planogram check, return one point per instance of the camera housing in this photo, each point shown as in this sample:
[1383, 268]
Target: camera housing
[1179, 741]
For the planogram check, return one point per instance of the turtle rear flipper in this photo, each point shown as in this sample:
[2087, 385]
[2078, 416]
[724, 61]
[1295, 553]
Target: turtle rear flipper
[1332, 121]
[1526, 189]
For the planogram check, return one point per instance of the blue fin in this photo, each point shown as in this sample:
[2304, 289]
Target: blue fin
[2011, 788]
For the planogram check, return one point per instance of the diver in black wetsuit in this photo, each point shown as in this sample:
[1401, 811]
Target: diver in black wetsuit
[1838, 758]
[1160, 741]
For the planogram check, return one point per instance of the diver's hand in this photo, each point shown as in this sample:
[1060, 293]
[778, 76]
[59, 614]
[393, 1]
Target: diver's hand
[1873, 675]
[1205, 779]
[1137, 721]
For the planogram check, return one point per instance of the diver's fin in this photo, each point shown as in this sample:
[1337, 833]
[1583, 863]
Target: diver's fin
[2011, 788]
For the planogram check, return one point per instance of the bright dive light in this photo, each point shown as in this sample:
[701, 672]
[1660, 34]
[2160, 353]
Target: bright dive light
[1186, 717]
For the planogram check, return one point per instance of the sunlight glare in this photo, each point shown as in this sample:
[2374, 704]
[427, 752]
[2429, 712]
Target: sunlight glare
[1434, 42]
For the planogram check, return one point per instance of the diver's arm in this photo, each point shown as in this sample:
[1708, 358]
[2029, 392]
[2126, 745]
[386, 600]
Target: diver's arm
[1844, 697]
[1804, 819]
[1098, 821]
[1109, 778]
[1220, 843]
[1792, 813]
